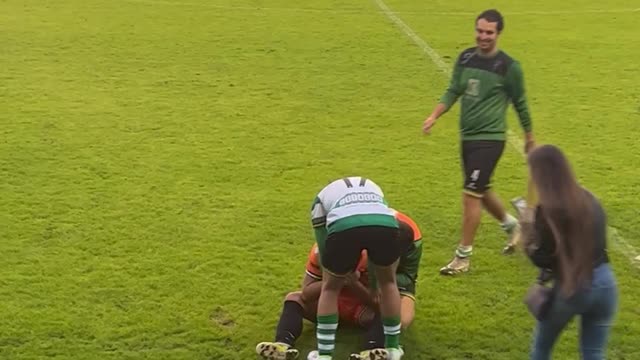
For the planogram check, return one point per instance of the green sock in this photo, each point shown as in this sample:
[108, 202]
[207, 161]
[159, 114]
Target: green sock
[391, 332]
[326, 333]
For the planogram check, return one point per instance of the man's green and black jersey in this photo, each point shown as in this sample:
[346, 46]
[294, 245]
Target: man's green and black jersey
[486, 86]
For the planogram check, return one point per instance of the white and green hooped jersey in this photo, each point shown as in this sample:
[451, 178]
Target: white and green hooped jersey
[351, 202]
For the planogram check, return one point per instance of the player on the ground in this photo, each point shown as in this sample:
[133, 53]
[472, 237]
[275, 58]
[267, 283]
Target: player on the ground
[355, 307]
[350, 215]
[356, 304]
[487, 80]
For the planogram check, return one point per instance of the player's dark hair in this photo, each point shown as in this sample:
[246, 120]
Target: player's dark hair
[492, 16]
[568, 210]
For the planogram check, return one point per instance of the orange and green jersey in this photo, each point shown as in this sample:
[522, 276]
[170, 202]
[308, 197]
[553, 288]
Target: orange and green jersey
[409, 263]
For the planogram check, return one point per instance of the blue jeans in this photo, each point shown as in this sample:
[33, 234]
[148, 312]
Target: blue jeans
[596, 307]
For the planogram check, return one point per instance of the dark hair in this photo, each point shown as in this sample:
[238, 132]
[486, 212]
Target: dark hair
[493, 16]
[568, 210]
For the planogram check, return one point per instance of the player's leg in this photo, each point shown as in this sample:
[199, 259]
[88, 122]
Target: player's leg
[289, 329]
[494, 206]
[471, 216]
[488, 156]
[369, 319]
[407, 311]
[471, 210]
[479, 159]
[407, 288]
[383, 248]
[341, 255]
[373, 340]
[508, 222]
[374, 329]
[484, 157]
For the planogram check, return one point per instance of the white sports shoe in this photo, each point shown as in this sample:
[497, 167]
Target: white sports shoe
[314, 355]
[373, 354]
[276, 351]
[512, 228]
[395, 354]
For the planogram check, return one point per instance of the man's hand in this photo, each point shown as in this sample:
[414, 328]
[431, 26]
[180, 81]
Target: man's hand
[428, 124]
[529, 143]
[374, 296]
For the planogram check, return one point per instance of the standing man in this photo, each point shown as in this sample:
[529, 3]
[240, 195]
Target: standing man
[486, 80]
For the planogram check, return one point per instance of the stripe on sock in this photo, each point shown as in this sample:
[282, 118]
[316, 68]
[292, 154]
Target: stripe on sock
[327, 327]
[326, 333]
[391, 332]
[325, 347]
[464, 251]
[330, 337]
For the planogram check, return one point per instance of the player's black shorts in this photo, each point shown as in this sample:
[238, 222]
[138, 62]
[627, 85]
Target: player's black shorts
[343, 248]
[479, 160]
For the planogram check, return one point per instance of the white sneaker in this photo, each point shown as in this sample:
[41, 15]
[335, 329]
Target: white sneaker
[519, 204]
[276, 351]
[374, 354]
[315, 355]
[395, 354]
[512, 228]
[457, 266]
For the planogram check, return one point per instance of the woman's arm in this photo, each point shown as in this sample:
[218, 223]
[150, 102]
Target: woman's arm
[537, 238]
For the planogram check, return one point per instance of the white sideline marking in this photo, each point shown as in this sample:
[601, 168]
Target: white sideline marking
[366, 12]
[621, 244]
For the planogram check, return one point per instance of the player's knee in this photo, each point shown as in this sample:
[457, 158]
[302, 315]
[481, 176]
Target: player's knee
[405, 322]
[472, 197]
[407, 312]
[295, 296]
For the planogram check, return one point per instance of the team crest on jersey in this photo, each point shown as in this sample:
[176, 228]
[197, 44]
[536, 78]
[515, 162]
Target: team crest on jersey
[473, 87]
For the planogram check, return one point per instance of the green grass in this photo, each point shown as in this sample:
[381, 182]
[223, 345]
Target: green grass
[158, 160]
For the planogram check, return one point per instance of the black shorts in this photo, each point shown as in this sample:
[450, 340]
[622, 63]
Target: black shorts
[479, 160]
[343, 248]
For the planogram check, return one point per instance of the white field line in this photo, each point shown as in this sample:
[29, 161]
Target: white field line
[620, 243]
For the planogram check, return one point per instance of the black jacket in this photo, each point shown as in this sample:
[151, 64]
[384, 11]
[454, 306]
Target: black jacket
[540, 243]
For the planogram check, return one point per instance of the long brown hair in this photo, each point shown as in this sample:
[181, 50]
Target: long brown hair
[568, 210]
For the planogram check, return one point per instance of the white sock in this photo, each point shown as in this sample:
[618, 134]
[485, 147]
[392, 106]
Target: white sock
[509, 221]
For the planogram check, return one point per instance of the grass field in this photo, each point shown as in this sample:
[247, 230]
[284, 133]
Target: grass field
[158, 160]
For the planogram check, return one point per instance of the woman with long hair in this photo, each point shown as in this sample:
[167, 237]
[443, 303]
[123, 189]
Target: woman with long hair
[565, 234]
